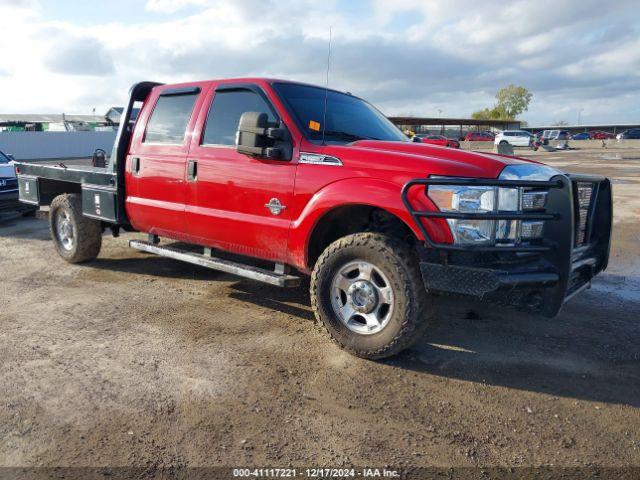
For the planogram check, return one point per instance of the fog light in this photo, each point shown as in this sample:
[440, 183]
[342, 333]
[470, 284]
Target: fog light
[531, 229]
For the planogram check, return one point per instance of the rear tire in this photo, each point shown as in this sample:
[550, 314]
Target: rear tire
[504, 142]
[367, 291]
[77, 238]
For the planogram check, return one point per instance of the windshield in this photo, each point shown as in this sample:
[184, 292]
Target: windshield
[4, 158]
[347, 119]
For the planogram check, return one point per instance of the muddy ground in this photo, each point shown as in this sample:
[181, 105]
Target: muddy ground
[134, 360]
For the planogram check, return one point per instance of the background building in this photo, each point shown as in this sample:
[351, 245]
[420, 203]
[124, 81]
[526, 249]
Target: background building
[453, 127]
[614, 128]
[51, 122]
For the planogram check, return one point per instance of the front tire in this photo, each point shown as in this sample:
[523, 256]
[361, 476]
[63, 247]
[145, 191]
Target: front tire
[77, 238]
[504, 142]
[367, 291]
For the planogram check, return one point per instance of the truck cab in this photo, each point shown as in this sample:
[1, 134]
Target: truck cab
[316, 182]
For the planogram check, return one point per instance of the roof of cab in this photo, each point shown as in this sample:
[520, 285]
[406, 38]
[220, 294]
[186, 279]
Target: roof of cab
[256, 80]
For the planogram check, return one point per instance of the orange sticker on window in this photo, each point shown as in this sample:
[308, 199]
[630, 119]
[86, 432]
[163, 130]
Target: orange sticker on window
[313, 125]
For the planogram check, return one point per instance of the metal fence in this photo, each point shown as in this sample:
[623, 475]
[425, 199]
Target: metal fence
[44, 145]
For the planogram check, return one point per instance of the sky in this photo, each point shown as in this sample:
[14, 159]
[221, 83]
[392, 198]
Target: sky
[579, 58]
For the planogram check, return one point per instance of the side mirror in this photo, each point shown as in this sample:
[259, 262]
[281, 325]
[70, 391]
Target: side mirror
[257, 138]
[415, 139]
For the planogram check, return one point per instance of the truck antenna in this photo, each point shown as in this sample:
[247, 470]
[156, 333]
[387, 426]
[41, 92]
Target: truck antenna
[326, 88]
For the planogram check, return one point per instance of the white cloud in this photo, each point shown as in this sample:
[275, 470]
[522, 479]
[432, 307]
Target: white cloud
[416, 55]
[171, 6]
[79, 56]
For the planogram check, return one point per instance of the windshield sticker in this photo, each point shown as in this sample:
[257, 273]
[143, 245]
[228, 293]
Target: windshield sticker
[313, 125]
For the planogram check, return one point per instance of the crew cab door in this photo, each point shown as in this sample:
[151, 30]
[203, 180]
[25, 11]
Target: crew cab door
[229, 194]
[155, 171]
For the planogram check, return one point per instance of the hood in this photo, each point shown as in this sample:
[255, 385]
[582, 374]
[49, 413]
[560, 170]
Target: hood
[7, 170]
[425, 158]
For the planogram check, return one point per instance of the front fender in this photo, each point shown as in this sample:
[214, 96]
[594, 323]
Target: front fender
[352, 191]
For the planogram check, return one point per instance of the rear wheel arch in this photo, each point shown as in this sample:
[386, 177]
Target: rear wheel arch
[51, 189]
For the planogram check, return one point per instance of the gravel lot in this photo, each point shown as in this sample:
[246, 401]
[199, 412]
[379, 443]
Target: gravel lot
[134, 360]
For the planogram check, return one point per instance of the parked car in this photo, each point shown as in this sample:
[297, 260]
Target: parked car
[438, 140]
[9, 188]
[381, 224]
[516, 138]
[478, 137]
[600, 135]
[631, 134]
[581, 136]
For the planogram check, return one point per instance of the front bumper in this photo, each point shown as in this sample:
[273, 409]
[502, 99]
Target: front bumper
[541, 276]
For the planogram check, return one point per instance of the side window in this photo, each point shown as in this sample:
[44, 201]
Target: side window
[225, 112]
[169, 120]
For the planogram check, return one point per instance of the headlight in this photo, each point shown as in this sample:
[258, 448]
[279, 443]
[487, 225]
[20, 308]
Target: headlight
[479, 199]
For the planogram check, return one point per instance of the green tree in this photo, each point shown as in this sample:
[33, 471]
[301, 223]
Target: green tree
[512, 101]
[484, 114]
[495, 113]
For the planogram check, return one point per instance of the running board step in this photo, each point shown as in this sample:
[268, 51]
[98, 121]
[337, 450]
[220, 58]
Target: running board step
[227, 266]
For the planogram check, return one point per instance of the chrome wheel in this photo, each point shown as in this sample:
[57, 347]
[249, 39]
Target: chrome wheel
[361, 297]
[64, 230]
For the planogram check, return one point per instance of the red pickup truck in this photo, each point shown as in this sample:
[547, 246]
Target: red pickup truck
[273, 180]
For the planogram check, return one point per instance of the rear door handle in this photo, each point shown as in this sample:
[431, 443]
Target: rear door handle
[192, 170]
[135, 165]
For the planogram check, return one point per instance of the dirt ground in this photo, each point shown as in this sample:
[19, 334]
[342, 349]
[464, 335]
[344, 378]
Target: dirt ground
[135, 360]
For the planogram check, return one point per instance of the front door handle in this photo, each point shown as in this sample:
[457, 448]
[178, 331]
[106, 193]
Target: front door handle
[192, 170]
[135, 165]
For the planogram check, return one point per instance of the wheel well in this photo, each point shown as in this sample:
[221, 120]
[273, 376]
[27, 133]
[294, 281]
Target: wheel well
[50, 189]
[349, 219]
